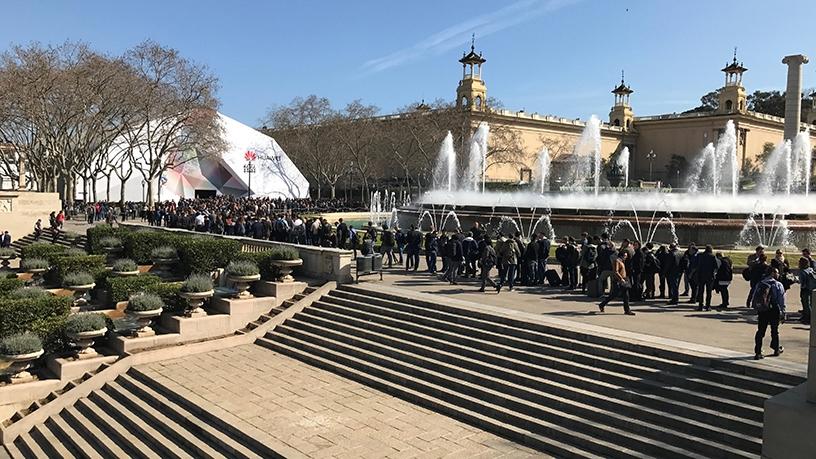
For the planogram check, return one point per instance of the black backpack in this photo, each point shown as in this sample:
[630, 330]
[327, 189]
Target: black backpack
[761, 300]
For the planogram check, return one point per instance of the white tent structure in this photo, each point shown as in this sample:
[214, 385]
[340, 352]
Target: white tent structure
[275, 174]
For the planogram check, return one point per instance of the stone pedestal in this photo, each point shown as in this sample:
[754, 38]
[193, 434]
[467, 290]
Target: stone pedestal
[195, 328]
[790, 426]
[243, 311]
[123, 344]
[282, 291]
[67, 369]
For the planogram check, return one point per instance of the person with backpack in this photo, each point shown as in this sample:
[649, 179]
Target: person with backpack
[724, 277]
[756, 271]
[807, 284]
[487, 260]
[470, 251]
[768, 300]
[508, 254]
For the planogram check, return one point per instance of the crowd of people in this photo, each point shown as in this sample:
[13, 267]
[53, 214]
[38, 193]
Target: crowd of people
[596, 266]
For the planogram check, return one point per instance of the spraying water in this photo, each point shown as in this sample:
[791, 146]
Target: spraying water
[477, 160]
[623, 162]
[543, 179]
[801, 151]
[445, 171]
[587, 151]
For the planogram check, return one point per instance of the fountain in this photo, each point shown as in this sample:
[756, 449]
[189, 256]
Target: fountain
[775, 234]
[445, 173]
[543, 178]
[477, 164]
[713, 210]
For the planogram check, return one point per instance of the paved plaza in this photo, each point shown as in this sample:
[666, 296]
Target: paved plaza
[733, 329]
[320, 414]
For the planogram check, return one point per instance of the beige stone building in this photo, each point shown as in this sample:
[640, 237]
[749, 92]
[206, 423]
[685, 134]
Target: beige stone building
[652, 140]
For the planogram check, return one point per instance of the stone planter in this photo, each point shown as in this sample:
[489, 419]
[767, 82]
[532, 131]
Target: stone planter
[242, 284]
[37, 275]
[19, 365]
[285, 269]
[195, 300]
[84, 341]
[144, 319]
[4, 261]
[165, 266]
[112, 253]
[80, 294]
[126, 273]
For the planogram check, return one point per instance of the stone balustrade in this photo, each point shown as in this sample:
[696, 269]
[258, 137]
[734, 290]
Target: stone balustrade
[322, 263]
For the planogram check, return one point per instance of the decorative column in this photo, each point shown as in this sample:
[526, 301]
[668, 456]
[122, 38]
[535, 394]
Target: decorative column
[21, 171]
[793, 94]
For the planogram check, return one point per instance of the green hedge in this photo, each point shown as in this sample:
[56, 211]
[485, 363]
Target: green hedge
[139, 244]
[169, 293]
[98, 232]
[43, 250]
[8, 285]
[91, 264]
[44, 316]
[202, 254]
[122, 287]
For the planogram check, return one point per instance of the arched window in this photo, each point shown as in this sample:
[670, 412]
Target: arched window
[616, 122]
[465, 102]
[478, 101]
[729, 105]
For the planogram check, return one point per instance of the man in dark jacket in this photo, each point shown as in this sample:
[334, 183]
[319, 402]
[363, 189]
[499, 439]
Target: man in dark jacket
[637, 266]
[414, 240]
[543, 248]
[342, 234]
[531, 261]
[651, 266]
[456, 256]
[674, 268]
[662, 256]
[707, 266]
[431, 251]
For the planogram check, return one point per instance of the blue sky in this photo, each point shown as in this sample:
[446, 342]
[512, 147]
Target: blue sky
[558, 57]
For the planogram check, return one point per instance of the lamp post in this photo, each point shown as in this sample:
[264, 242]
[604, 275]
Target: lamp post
[651, 157]
[249, 169]
[143, 191]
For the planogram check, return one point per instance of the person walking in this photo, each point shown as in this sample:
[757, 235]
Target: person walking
[807, 284]
[508, 254]
[38, 230]
[470, 252]
[621, 283]
[724, 276]
[487, 259]
[387, 246]
[768, 299]
[342, 233]
[455, 257]
[674, 269]
[706, 275]
[5, 240]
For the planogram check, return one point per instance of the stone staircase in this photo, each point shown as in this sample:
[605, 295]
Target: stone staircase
[134, 416]
[563, 391]
[278, 309]
[48, 236]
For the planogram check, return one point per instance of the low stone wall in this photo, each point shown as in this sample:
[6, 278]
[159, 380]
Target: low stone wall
[19, 210]
[318, 262]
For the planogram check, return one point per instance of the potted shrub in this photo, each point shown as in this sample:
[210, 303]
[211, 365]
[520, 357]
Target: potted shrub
[37, 267]
[20, 350]
[144, 307]
[285, 259]
[195, 289]
[74, 252]
[111, 246]
[242, 273]
[164, 257]
[125, 267]
[82, 329]
[28, 293]
[7, 254]
[79, 283]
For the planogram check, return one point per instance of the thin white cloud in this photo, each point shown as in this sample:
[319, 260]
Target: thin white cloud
[457, 34]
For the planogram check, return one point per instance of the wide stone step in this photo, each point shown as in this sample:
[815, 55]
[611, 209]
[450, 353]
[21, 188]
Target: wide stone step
[760, 374]
[548, 356]
[439, 399]
[516, 406]
[212, 438]
[112, 430]
[88, 430]
[518, 373]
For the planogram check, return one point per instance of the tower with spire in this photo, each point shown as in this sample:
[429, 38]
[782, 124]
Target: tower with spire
[471, 94]
[621, 113]
[732, 98]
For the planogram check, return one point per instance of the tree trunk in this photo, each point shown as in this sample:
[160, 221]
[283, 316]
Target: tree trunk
[107, 188]
[332, 191]
[150, 200]
[122, 192]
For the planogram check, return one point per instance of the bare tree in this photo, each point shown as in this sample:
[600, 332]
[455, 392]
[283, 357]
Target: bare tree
[173, 117]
